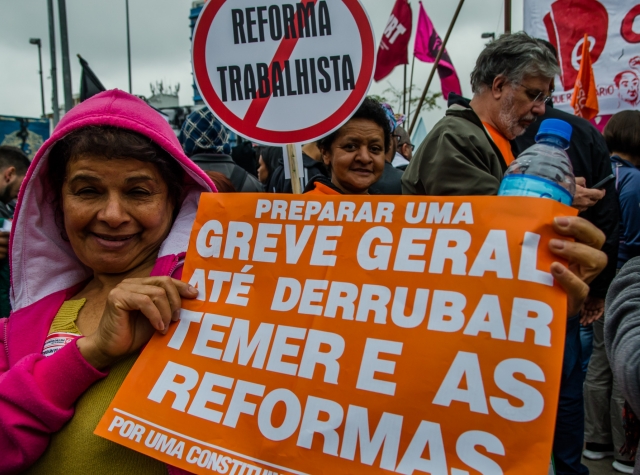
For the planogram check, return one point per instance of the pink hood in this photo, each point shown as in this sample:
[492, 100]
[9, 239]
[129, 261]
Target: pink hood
[41, 261]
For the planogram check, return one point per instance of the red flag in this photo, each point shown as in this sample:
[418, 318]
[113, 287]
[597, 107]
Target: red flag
[426, 49]
[394, 47]
[585, 98]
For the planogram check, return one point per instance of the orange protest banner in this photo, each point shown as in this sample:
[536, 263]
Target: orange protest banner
[356, 334]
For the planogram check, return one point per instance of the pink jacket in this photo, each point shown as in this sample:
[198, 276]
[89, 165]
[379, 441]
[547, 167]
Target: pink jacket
[37, 396]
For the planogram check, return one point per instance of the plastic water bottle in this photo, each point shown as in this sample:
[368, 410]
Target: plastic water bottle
[544, 169]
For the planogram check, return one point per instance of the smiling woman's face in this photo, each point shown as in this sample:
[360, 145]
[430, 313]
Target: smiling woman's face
[116, 212]
[356, 157]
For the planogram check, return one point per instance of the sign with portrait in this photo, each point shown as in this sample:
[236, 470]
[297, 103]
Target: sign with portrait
[614, 41]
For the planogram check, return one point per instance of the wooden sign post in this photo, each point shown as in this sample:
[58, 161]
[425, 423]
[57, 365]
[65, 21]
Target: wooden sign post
[296, 187]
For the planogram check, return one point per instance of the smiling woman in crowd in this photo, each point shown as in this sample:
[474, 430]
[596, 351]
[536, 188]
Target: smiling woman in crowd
[101, 228]
[354, 154]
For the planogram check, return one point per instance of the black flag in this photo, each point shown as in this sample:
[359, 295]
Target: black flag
[90, 85]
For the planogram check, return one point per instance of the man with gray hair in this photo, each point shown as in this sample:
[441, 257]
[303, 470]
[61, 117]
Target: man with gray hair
[468, 151]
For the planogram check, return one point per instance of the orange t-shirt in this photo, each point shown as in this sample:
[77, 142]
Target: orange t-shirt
[502, 143]
[321, 189]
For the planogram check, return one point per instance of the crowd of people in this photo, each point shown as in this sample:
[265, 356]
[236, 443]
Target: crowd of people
[91, 256]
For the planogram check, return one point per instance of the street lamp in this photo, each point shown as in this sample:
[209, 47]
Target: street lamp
[492, 35]
[36, 41]
[54, 70]
[128, 45]
[64, 46]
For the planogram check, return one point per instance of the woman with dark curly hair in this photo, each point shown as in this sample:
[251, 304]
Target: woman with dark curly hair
[355, 153]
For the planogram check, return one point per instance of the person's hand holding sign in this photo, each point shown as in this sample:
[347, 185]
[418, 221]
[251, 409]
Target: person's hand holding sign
[586, 260]
[135, 309]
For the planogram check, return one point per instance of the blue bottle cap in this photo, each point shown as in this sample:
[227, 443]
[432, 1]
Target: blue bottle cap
[556, 127]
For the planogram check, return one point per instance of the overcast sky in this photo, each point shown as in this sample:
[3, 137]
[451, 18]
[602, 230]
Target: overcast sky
[160, 46]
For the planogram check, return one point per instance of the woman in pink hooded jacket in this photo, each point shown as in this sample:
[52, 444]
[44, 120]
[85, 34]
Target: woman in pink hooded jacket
[101, 227]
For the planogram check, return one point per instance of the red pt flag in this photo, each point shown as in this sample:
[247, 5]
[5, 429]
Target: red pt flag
[427, 45]
[394, 47]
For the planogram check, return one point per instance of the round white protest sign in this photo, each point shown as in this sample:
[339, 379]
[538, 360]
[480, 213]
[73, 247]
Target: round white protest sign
[285, 72]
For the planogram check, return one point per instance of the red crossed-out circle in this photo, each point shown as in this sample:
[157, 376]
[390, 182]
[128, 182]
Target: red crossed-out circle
[247, 125]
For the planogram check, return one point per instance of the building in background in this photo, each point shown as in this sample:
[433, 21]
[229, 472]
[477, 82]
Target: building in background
[163, 97]
[166, 100]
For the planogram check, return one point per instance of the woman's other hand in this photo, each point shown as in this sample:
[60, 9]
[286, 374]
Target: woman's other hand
[585, 259]
[134, 310]
[592, 310]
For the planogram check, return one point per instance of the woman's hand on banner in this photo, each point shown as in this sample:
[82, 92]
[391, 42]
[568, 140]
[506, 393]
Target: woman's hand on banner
[584, 256]
[135, 309]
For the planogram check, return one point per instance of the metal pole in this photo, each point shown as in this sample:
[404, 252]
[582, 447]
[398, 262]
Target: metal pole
[41, 78]
[507, 16]
[413, 62]
[404, 92]
[64, 46]
[54, 68]
[128, 46]
[435, 66]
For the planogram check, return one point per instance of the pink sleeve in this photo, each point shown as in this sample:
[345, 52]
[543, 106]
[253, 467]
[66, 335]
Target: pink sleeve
[37, 397]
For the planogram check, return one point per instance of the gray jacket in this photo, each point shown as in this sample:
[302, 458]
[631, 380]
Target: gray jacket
[622, 333]
[457, 158]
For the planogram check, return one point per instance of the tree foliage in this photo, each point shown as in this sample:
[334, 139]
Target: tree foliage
[394, 96]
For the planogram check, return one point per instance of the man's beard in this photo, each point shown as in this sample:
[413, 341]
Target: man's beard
[510, 120]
